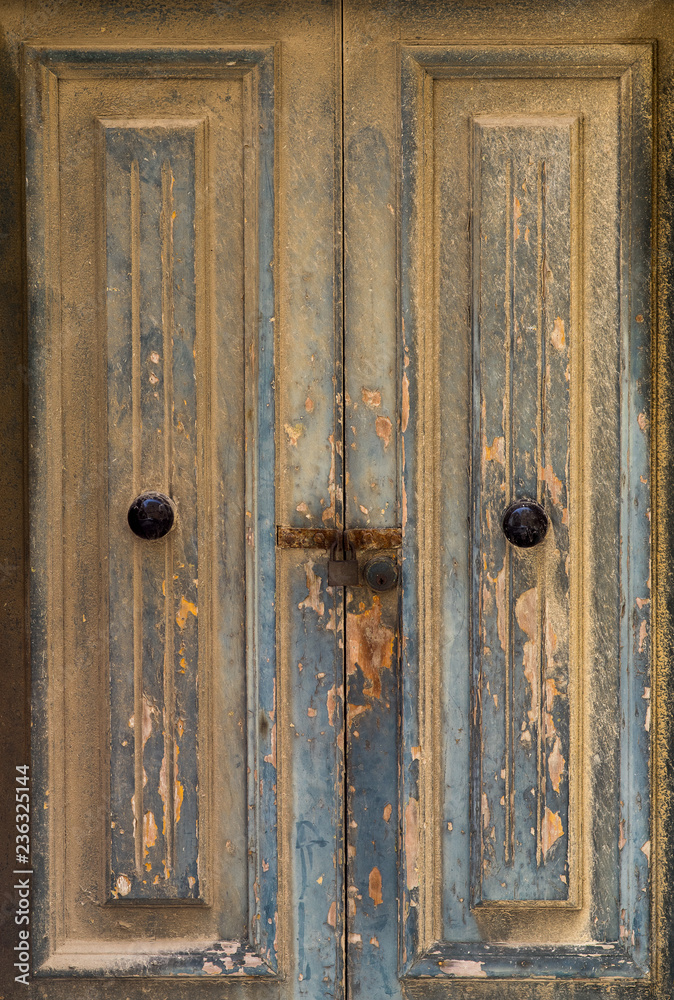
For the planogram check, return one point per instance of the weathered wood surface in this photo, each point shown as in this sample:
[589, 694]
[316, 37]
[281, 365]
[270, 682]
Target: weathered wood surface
[412, 449]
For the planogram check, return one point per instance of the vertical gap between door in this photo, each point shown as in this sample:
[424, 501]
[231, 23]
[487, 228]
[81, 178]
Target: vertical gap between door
[342, 419]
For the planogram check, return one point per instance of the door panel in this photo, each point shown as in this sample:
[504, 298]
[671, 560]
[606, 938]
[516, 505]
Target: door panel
[524, 208]
[188, 819]
[543, 720]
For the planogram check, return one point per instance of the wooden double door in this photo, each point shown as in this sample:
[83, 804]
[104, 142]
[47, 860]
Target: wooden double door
[345, 281]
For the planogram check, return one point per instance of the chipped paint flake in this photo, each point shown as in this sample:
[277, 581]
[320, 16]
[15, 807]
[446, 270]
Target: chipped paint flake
[313, 600]
[554, 485]
[558, 336]
[495, 452]
[371, 398]
[383, 428]
[463, 967]
[293, 432]
[334, 694]
[526, 609]
[186, 608]
[412, 843]
[149, 830]
[551, 829]
[556, 764]
[369, 647]
[123, 884]
[405, 414]
[375, 887]
[486, 813]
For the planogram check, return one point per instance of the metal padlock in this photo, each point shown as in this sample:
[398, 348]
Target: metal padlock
[343, 572]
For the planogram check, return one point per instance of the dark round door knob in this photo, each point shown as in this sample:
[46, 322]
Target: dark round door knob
[525, 523]
[151, 515]
[381, 574]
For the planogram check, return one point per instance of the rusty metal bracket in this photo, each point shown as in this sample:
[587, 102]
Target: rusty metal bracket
[362, 539]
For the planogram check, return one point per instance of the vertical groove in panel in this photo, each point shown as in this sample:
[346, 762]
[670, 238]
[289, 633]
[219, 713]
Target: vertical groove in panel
[137, 553]
[507, 430]
[540, 463]
[167, 315]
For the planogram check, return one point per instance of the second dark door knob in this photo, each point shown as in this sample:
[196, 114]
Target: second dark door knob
[525, 523]
[151, 515]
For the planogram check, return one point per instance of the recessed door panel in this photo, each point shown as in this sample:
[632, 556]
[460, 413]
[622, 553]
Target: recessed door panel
[537, 290]
[143, 698]
[525, 183]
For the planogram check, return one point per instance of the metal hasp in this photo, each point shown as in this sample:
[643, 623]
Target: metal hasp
[525, 523]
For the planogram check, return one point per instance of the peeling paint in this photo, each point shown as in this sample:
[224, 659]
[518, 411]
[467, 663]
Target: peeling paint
[150, 830]
[551, 829]
[313, 599]
[405, 412]
[371, 397]
[554, 485]
[329, 514]
[294, 432]
[375, 887]
[334, 694]
[526, 608]
[412, 843]
[383, 428]
[123, 884]
[557, 336]
[186, 608]
[622, 840]
[370, 647]
[556, 764]
[463, 967]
